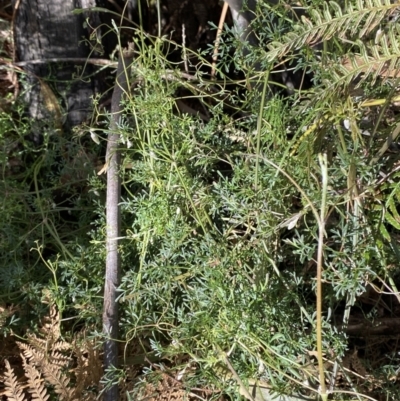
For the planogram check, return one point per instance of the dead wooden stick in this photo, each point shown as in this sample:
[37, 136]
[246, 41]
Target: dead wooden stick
[113, 268]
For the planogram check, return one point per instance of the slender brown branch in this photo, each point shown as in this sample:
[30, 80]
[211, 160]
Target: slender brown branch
[112, 279]
[95, 61]
[218, 38]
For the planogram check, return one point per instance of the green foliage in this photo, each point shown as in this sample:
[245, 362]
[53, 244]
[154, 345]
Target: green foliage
[44, 219]
[221, 203]
[221, 213]
[356, 20]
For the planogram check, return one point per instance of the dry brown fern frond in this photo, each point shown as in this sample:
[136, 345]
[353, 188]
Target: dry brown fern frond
[47, 347]
[50, 330]
[72, 369]
[60, 380]
[43, 348]
[30, 352]
[13, 390]
[39, 353]
[51, 366]
[35, 382]
[167, 389]
[89, 369]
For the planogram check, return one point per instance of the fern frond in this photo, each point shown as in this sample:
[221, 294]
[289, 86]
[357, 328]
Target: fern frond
[39, 343]
[50, 365]
[392, 220]
[358, 20]
[56, 358]
[88, 371]
[13, 390]
[51, 326]
[35, 356]
[391, 214]
[46, 348]
[379, 61]
[35, 383]
[60, 380]
[62, 346]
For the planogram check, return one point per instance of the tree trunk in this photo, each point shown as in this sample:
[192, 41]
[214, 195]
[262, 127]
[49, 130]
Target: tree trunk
[49, 29]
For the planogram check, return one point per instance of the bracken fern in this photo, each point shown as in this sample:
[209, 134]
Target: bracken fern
[356, 21]
[48, 369]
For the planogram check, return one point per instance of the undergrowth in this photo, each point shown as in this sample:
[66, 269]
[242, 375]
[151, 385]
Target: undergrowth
[224, 213]
[53, 368]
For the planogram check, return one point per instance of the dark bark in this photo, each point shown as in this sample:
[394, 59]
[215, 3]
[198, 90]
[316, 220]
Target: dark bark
[112, 280]
[49, 29]
[243, 12]
[381, 326]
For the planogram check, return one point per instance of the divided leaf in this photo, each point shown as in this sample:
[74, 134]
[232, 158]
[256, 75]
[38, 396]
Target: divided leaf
[13, 390]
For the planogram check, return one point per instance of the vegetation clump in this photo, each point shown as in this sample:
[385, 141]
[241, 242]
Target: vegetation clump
[260, 225]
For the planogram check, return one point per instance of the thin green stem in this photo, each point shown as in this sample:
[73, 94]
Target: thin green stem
[321, 233]
[259, 125]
